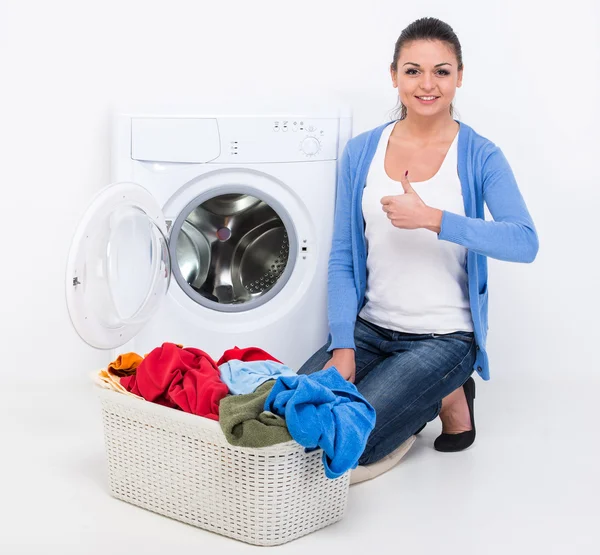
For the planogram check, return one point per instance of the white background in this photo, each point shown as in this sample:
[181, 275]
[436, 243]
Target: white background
[530, 85]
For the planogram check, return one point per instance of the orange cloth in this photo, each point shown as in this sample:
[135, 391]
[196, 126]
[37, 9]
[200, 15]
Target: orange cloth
[110, 377]
[125, 365]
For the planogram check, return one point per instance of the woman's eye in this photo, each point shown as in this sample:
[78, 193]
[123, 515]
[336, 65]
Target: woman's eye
[441, 71]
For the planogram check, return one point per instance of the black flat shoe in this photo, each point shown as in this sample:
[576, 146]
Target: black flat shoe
[457, 442]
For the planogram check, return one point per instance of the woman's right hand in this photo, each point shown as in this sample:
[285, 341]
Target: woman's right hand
[343, 360]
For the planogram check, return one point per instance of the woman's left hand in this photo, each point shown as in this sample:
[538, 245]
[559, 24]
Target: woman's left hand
[408, 211]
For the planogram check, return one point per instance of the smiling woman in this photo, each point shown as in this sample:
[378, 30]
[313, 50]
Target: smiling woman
[407, 288]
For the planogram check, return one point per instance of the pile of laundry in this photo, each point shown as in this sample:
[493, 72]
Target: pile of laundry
[257, 400]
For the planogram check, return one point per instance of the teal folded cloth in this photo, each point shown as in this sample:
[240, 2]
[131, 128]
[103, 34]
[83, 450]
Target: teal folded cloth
[245, 423]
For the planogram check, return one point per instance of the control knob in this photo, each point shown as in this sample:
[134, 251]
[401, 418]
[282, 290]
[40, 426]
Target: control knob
[310, 146]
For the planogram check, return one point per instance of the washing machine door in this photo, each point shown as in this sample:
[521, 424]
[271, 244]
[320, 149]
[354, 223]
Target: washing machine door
[118, 270]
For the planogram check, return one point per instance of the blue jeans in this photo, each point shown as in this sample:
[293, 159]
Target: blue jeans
[404, 376]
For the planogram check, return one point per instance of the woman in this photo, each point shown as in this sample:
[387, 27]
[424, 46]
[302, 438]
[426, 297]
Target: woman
[407, 280]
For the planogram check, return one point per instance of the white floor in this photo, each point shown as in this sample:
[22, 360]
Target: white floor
[530, 484]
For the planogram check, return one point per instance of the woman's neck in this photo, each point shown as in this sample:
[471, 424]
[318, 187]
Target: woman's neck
[425, 129]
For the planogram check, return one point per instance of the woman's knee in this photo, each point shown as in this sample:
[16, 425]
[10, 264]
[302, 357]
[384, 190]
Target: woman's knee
[316, 362]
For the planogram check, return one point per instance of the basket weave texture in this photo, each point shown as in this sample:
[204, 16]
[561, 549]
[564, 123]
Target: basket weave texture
[180, 465]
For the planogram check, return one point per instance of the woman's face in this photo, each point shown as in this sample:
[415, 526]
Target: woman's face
[427, 68]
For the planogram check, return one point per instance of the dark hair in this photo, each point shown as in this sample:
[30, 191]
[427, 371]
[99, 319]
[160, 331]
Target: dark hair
[426, 28]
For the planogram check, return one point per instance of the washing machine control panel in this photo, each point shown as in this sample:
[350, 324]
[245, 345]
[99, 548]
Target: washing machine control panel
[284, 139]
[234, 139]
[309, 134]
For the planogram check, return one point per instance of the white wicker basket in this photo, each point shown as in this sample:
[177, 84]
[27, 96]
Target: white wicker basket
[180, 465]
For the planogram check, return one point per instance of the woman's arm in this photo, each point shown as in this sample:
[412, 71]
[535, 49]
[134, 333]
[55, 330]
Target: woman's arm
[512, 235]
[342, 301]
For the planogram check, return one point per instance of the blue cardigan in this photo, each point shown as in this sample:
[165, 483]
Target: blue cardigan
[485, 176]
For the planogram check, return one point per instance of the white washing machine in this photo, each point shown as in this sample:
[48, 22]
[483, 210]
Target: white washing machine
[215, 233]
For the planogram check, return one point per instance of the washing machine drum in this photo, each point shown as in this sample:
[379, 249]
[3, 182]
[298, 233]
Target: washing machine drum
[231, 249]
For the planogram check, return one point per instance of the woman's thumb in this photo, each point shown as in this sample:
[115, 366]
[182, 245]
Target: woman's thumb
[406, 184]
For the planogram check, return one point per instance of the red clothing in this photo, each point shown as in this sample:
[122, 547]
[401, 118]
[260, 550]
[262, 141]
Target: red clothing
[187, 379]
[247, 355]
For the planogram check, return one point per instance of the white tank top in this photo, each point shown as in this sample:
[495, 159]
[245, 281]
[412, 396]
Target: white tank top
[416, 282]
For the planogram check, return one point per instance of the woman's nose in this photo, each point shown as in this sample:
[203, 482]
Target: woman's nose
[426, 83]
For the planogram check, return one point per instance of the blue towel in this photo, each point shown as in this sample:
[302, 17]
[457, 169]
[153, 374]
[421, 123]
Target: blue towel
[324, 410]
[244, 377]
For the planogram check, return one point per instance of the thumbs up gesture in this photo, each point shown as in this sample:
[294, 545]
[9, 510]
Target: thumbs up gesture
[408, 211]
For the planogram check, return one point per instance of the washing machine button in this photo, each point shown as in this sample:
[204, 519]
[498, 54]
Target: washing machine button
[310, 146]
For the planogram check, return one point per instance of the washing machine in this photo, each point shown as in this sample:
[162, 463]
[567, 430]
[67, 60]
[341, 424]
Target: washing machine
[214, 233]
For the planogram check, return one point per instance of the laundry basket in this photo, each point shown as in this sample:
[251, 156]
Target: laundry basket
[180, 465]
